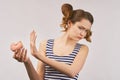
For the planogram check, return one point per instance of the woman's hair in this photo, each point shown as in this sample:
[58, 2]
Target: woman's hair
[75, 16]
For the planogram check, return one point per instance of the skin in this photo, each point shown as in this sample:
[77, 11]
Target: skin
[68, 40]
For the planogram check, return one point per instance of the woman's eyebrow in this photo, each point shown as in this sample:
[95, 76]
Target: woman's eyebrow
[84, 27]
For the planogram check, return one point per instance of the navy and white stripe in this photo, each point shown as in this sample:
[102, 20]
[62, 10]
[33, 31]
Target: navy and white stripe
[51, 73]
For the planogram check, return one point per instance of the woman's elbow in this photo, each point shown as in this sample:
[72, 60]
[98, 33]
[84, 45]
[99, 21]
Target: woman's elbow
[73, 74]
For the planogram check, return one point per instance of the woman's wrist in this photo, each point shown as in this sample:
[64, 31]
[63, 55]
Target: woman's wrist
[27, 61]
[32, 43]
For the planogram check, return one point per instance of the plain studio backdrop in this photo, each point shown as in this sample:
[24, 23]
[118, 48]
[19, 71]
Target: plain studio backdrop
[19, 17]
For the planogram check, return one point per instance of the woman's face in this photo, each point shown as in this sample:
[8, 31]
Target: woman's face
[79, 30]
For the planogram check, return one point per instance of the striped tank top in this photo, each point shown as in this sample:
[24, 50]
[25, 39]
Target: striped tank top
[50, 72]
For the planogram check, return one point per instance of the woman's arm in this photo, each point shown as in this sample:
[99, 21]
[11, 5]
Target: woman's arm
[41, 65]
[21, 56]
[70, 70]
[33, 75]
[41, 70]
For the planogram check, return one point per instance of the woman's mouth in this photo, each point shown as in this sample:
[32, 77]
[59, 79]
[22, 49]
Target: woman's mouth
[79, 37]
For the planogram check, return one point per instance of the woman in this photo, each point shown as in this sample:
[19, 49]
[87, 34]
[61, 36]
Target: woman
[61, 58]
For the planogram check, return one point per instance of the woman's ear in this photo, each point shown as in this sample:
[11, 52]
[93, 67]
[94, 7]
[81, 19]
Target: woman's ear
[69, 24]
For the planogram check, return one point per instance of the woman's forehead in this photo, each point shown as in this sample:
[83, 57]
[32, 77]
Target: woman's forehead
[84, 23]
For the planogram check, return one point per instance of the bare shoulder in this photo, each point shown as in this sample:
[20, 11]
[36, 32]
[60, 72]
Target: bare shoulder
[84, 49]
[42, 46]
[43, 42]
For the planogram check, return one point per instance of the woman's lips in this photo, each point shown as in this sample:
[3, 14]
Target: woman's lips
[79, 37]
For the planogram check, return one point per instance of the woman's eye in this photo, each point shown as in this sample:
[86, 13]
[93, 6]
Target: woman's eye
[80, 27]
[86, 30]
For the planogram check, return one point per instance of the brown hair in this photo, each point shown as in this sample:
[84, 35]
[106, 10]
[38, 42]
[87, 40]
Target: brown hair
[75, 16]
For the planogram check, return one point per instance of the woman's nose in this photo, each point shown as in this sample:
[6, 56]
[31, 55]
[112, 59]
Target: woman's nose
[82, 33]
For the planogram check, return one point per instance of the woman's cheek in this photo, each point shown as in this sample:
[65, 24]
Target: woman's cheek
[76, 32]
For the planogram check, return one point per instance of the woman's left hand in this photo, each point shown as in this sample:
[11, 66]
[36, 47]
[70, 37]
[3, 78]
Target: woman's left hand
[33, 43]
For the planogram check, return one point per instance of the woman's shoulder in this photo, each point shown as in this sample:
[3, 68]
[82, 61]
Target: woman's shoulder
[42, 45]
[84, 46]
[84, 49]
[44, 42]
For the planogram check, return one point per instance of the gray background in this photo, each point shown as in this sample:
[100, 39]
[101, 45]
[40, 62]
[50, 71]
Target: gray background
[19, 17]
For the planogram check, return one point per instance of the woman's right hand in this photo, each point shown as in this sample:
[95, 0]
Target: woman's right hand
[21, 55]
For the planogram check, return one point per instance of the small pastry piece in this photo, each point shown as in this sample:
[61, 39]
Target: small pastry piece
[16, 46]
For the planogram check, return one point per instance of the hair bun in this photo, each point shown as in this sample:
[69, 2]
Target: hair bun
[67, 10]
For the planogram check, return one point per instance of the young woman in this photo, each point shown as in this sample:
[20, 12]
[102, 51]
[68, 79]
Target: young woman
[61, 58]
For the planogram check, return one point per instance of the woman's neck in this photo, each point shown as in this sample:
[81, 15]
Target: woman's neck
[65, 39]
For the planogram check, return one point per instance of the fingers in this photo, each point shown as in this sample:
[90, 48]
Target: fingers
[15, 53]
[20, 55]
[33, 34]
[25, 56]
[33, 37]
